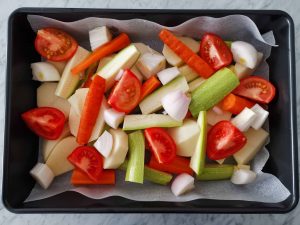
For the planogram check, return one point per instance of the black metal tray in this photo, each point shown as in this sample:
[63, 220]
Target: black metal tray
[21, 146]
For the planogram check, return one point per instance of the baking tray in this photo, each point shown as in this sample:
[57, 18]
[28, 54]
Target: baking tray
[21, 146]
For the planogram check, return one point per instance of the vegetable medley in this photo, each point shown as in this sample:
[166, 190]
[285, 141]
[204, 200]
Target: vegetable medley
[193, 107]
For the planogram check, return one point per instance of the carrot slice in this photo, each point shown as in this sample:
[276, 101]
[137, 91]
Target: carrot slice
[235, 104]
[177, 166]
[90, 110]
[149, 86]
[114, 45]
[80, 178]
[186, 54]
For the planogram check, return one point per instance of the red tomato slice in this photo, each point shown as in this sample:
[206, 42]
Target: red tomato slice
[88, 160]
[161, 144]
[46, 122]
[126, 94]
[256, 88]
[215, 51]
[55, 45]
[223, 140]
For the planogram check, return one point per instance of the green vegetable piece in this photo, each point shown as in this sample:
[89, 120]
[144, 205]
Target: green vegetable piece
[213, 90]
[135, 168]
[216, 172]
[198, 158]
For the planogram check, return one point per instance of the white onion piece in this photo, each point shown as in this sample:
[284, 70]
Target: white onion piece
[113, 118]
[261, 116]
[119, 75]
[42, 174]
[166, 75]
[176, 104]
[44, 71]
[244, 119]
[182, 184]
[104, 144]
[243, 176]
[244, 53]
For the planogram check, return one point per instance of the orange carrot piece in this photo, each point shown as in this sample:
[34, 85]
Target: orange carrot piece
[186, 54]
[80, 178]
[114, 45]
[235, 104]
[90, 110]
[177, 166]
[149, 86]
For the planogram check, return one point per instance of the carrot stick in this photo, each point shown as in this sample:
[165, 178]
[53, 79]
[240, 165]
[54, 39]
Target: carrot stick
[177, 166]
[91, 109]
[149, 86]
[235, 104]
[186, 54]
[114, 45]
[80, 178]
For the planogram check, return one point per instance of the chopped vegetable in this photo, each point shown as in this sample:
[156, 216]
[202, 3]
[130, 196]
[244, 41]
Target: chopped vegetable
[135, 168]
[46, 122]
[213, 90]
[178, 165]
[42, 174]
[104, 144]
[242, 71]
[60, 66]
[150, 64]
[90, 72]
[186, 54]
[223, 140]
[80, 178]
[43, 71]
[166, 75]
[137, 122]
[261, 116]
[99, 36]
[243, 176]
[114, 45]
[244, 119]
[176, 104]
[235, 104]
[137, 73]
[88, 160]
[216, 172]
[196, 83]
[113, 118]
[188, 73]
[213, 117]
[244, 53]
[91, 110]
[149, 86]
[182, 183]
[161, 144]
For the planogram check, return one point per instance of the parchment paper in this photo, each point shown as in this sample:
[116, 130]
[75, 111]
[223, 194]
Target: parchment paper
[266, 188]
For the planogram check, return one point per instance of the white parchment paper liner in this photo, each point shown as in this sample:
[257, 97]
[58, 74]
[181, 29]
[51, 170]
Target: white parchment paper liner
[266, 188]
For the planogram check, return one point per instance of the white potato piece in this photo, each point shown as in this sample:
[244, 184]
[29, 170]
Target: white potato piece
[188, 73]
[261, 116]
[113, 118]
[104, 144]
[42, 174]
[137, 73]
[77, 99]
[99, 36]
[213, 117]
[166, 75]
[60, 66]
[144, 48]
[244, 119]
[150, 64]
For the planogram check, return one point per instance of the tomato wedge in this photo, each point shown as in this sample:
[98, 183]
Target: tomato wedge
[46, 122]
[161, 144]
[215, 51]
[88, 160]
[126, 94]
[256, 88]
[223, 140]
[55, 45]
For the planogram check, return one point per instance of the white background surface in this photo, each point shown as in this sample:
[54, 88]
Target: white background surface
[7, 6]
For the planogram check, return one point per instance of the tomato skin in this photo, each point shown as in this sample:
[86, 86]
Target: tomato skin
[161, 144]
[46, 122]
[126, 94]
[55, 45]
[88, 160]
[215, 51]
[223, 140]
[257, 89]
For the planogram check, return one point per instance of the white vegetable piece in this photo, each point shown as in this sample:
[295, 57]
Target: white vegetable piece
[213, 117]
[60, 66]
[113, 118]
[137, 73]
[42, 174]
[44, 71]
[150, 64]
[104, 144]
[256, 139]
[166, 75]
[182, 184]
[104, 61]
[77, 99]
[185, 137]
[243, 176]
[245, 167]
[144, 48]
[242, 71]
[176, 104]
[244, 53]
[261, 116]
[119, 75]
[244, 119]
[119, 150]
[196, 83]
[217, 110]
[99, 36]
